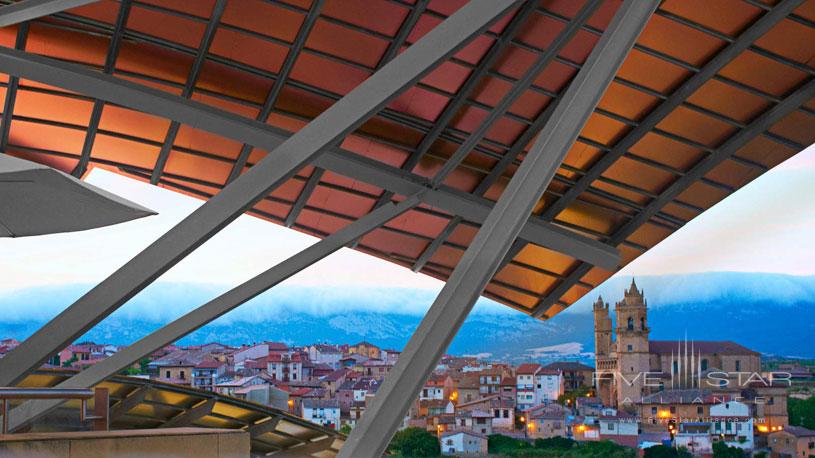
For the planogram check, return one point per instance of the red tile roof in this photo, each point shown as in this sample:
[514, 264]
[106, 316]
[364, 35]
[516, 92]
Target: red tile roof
[528, 369]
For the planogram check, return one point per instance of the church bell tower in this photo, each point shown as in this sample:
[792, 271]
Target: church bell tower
[603, 353]
[632, 346]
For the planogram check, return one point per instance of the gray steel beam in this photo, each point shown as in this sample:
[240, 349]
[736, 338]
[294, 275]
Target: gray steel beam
[724, 152]
[543, 60]
[98, 105]
[305, 194]
[27, 10]
[279, 83]
[268, 426]
[127, 403]
[404, 31]
[744, 41]
[307, 449]
[280, 165]
[11, 90]
[189, 416]
[189, 87]
[215, 308]
[78, 79]
[371, 435]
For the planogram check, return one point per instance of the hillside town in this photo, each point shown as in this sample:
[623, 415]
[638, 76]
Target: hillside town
[643, 393]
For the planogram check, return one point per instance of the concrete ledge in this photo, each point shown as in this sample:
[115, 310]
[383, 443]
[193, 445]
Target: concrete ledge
[168, 442]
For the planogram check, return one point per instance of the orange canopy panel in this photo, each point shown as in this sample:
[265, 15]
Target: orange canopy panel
[350, 39]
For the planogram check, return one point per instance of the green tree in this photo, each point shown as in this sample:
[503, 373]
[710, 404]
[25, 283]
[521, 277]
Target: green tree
[604, 449]
[498, 443]
[557, 442]
[722, 450]
[801, 412]
[346, 429]
[665, 451]
[579, 392]
[414, 443]
[69, 362]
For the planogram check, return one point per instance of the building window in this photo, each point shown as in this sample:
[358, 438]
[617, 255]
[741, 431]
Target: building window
[182, 375]
[654, 410]
[673, 409]
[611, 426]
[630, 348]
[168, 374]
[642, 324]
[676, 367]
[630, 324]
[700, 410]
[704, 364]
[738, 365]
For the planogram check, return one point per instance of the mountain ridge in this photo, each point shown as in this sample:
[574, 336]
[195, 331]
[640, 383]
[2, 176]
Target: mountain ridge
[752, 309]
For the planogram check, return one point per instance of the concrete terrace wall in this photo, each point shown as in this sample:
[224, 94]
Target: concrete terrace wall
[170, 442]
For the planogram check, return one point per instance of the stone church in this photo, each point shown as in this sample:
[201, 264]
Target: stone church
[630, 366]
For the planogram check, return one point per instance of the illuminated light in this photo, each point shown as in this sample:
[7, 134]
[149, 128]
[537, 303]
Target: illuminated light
[531, 425]
[763, 429]
[523, 419]
[581, 428]
[664, 414]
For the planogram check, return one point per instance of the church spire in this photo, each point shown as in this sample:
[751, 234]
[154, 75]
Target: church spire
[633, 289]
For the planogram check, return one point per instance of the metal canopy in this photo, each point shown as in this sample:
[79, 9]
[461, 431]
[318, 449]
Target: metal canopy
[137, 403]
[286, 159]
[36, 200]
[696, 77]
[192, 95]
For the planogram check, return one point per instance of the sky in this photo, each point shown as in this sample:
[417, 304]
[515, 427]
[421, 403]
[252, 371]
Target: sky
[764, 227]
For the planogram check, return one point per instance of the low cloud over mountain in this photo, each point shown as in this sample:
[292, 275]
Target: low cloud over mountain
[770, 313]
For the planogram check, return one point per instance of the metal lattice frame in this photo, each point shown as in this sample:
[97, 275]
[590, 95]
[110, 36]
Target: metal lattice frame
[300, 149]
[451, 137]
[456, 136]
[725, 151]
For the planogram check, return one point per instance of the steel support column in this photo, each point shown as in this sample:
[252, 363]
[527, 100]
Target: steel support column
[278, 166]
[504, 223]
[27, 10]
[215, 308]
